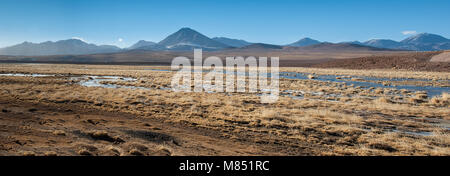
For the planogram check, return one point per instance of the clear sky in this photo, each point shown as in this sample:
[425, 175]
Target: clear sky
[124, 22]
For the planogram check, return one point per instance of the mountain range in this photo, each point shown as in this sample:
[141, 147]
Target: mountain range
[62, 47]
[419, 42]
[187, 39]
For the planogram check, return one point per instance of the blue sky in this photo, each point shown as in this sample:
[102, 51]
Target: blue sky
[124, 22]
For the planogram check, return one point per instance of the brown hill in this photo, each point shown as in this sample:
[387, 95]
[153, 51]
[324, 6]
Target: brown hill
[418, 61]
[444, 57]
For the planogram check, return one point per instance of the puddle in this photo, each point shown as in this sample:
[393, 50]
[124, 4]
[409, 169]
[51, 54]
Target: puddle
[25, 75]
[442, 123]
[431, 91]
[95, 81]
[414, 133]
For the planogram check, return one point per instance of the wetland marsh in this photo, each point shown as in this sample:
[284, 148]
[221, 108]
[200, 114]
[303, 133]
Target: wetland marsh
[51, 109]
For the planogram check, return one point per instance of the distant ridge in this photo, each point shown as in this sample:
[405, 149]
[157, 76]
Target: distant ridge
[262, 46]
[142, 43]
[419, 42]
[304, 42]
[62, 47]
[425, 38]
[383, 43]
[352, 42]
[343, 47]
[232, 42]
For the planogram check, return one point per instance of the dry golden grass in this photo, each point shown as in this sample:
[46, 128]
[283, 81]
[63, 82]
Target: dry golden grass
[336, 118]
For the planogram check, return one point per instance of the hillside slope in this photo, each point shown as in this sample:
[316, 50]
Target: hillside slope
[417, 61]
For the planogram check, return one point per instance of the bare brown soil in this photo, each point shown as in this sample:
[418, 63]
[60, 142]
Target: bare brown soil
[69, 129]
